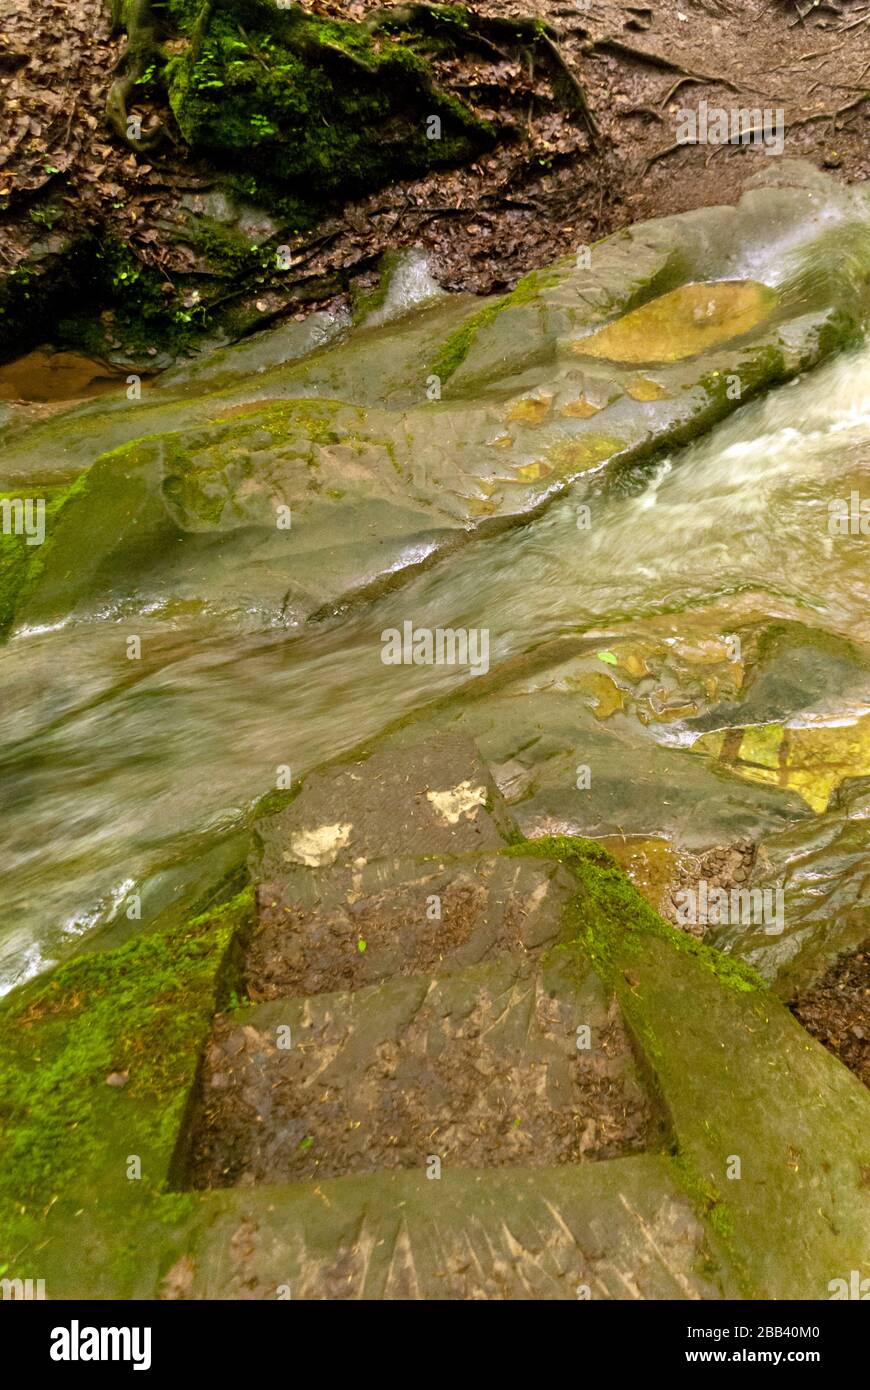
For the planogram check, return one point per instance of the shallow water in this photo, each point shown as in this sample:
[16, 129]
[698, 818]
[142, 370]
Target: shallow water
[113, 773]
[43, 376]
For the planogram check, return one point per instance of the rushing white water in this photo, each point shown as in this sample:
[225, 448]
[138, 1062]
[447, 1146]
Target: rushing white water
[108, 778]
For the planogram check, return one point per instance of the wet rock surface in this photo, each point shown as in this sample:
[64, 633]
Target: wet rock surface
[479, 1069]
[416, 953]
[480, 1047]
[552, 1109]
[412, 916]
[317, 483]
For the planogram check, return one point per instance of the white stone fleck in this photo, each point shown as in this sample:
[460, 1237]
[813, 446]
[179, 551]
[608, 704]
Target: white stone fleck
[457, 801]
[319, 847]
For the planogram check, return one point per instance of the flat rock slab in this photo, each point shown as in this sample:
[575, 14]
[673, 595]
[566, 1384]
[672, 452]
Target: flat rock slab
[431, 800]
[621, 1230]
[481, 1068]
[426, 915]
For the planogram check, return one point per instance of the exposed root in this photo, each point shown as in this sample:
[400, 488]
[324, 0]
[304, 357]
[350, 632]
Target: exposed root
[575, 86]
[474, 30]
[141, 53]
[748, 135]
[640, 55]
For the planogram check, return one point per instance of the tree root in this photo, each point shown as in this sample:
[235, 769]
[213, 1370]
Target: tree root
[626, 50]
[474, 30]
[758, 130]
[141, 53]
[575, 86]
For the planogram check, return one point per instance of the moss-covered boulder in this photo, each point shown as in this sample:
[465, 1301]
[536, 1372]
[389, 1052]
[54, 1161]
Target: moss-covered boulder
[320, 105]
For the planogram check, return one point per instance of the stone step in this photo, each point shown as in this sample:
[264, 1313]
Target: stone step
[618, 1230]
[502, 1063]
[401, 916]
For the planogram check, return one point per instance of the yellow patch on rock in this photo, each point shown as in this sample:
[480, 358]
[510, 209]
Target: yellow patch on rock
[682, 323]
[531, 410]
[651, 863]
[607, 697]
[575, 455]
[643, 388]
[532, 472]
[811, 760]
[581, 409]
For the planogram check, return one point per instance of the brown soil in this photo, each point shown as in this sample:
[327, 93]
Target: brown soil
[544, 190]
[484, 911]
[836, 1011]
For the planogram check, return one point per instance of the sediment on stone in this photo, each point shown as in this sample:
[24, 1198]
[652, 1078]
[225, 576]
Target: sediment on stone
[836, 1010]
[478, 1069]
[466, 1028]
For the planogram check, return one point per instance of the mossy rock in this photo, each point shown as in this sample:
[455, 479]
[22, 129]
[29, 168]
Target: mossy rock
[98, 1062]
[754, 1101]
[318, 105]
[137, 1013]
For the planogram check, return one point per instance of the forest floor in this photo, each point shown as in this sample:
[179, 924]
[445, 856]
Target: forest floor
[547, 186]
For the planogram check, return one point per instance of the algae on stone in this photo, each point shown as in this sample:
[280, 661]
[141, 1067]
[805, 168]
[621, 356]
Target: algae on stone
[681, 324]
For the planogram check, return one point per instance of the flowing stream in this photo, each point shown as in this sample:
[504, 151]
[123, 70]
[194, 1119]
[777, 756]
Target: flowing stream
[114, 772]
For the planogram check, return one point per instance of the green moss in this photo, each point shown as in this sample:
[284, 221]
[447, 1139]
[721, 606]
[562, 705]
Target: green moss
[143, 1009]
[144, 316]
[457, 347]
[317, 104]
[315, 418]
[231, 253]
[21, 564]
[615, 924]
[35, 295]
[610, 917]
[715, 1212]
